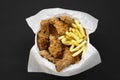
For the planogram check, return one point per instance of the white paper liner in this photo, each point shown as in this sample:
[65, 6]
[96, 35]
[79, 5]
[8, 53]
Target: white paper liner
[90, 59]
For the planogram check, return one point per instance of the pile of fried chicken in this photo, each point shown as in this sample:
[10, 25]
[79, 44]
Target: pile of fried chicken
[51, 47]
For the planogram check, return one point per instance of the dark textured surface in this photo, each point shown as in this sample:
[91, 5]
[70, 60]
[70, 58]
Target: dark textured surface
[16, 38]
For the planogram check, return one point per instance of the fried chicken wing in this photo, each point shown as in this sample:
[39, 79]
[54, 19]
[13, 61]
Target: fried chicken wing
[60, 26]
[66, 61]
[55, 47]
[43, 35]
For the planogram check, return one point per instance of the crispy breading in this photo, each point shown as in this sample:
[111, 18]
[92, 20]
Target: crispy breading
[48, 56]
[53, 31]
[66, 19]
[66, 61]
[60, 26]
[55, 47]
[43, 35]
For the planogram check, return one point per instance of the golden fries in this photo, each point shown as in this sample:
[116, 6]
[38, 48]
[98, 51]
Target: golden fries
[84, 49]
[76, 38]
[80, 27]
[78, 52]
[78, 47]
[61, 37]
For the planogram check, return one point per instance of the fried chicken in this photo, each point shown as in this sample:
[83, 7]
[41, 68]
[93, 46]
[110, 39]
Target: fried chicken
[55, 47]
[53, 31]
[67, 60]
[60, 26]
[66, 19]
[43, 35]
[51, 47]
[48, 56]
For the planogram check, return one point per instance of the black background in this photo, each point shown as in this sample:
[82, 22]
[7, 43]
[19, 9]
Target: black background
[16, 38]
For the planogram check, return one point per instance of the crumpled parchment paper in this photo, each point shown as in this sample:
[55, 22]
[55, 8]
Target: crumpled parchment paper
[90, 59]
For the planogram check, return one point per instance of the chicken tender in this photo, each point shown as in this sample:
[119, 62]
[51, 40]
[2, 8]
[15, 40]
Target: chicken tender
[66, 61]
[55, 47]
[43, 35]
[60, 26]
[66, 19]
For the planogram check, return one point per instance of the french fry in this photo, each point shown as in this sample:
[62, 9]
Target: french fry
[74, 42]
[61, 37]
[71, 47]
[78, 47]
[68, 37]
[84, 49]
[64, 41]
[70, 29]
[78, 52]
[80, 40]
[79, 27]
[73, 25]
[73, 35]
[79, 34]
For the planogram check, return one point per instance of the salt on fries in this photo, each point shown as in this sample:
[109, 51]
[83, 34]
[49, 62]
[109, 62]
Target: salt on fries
[76, 38]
